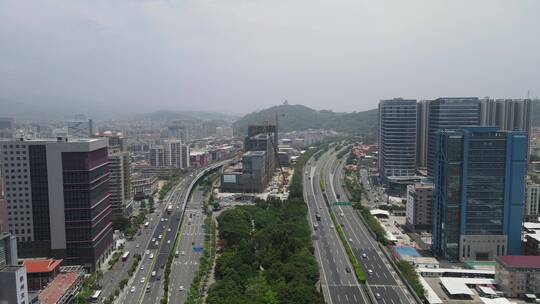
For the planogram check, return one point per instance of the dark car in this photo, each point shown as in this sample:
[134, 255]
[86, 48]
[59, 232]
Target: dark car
[347, 269]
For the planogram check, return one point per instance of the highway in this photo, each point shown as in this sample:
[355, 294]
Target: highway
[338, 284]
[192, 236]
[144, 287]
[382, 279]
[156, 251]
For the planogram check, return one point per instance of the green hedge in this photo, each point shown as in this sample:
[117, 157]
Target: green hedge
[360, 274]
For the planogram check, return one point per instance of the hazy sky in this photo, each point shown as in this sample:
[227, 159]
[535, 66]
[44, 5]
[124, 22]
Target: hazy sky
[237, 56]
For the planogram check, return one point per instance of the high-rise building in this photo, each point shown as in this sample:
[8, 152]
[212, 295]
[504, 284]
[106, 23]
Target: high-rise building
[13, 287]
[57, 197]
[172, 154]
[80, 127]
[507, 114]
[7, 127]
[478, 194]
[3, 211]
[449, 113]
[120, 174]
[224, 132]
[419, 201]
[157, 156]
[397, 139]
[422, 118]
[185, 157]
[532, 202]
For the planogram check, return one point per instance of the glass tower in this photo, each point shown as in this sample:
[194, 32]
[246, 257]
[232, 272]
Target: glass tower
[449, 113]
[397, 138]
[479, 189]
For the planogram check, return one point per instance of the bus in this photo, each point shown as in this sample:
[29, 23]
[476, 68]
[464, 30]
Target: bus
[146, 224]
[125, 256]
[169, 209]
[95, 297]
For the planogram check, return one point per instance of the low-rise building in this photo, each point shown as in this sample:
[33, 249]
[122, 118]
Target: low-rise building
[64, 287]
[144, 184]
[531, 244]
[518, 275]
[40, 272]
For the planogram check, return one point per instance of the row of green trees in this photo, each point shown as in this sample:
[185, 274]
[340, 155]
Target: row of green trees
[266, 256]
[173, 179]
[205, 264]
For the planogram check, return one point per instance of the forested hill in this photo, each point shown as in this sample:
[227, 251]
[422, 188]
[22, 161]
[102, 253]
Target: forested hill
[299, 117]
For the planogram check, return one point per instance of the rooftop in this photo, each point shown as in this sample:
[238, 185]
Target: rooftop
[41, 265]
[458, 286]
[58, 287]
[520, 261]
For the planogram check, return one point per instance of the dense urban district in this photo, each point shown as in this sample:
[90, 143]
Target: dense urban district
[418, 201]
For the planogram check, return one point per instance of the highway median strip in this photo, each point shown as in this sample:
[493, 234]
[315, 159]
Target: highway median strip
[360, 274]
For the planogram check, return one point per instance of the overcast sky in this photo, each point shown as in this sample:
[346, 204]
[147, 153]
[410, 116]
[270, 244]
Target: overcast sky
[236, 56]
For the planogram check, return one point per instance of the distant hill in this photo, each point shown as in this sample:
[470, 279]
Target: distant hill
[186, 115]
[299, 117]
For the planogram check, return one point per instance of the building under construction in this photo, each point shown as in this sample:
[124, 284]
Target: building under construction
[258, 162]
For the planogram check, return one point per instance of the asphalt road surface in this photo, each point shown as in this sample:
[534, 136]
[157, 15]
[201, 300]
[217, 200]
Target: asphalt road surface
[186, 264]
[381, 276]
[338, 284]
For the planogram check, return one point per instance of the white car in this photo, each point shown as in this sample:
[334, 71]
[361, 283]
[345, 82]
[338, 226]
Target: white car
[350, 240]
[370, 271]
[168, 241]
[332, 226]
[147, 251]
[183, 253]
[142, 280]
[137, 246]
[132, 289]
[181, 288]
[156, 243]
[364, 255]
[142, 267]
[160, 236]
[162, 219]
[151, 256]
[153, 239]
[169, 229]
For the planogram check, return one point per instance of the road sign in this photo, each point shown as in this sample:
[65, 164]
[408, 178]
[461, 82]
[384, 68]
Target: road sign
[342, 204]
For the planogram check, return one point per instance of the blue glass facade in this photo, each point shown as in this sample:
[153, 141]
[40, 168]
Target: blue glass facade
[479, 189]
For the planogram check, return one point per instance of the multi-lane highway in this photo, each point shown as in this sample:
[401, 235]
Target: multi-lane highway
[145, 287]
[382, 279]
[337, 279]
[146, 284]
[192, 237]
